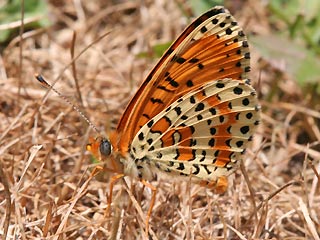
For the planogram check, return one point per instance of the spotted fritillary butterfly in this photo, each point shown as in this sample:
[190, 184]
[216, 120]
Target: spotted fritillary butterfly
[196, 111]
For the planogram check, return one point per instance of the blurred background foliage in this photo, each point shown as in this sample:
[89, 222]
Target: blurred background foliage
[295, 37]
[35, 15]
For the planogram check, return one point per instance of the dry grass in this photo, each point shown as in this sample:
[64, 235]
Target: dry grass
[45, 173]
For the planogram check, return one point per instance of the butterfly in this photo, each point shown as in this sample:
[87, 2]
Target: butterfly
[195, 112]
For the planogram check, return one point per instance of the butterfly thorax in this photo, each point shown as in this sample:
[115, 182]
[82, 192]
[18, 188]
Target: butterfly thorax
[129, 162]
[138, 168]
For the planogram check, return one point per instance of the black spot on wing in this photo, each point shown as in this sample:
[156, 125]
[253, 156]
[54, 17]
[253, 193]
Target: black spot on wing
[239, 143]
[220, 85]
[192, 100]
[249, 115]
[211, 142]
[222, 24]
[197, 169]
[200, 66]
[215, 21]
[199, 107]
[146, 116]
[172, 82]
[181, 166]
[221, 119]
[193, 60]
[164, 89]
[177, 110]
[156, 100]
[203, 153]
[244, 129]
[237, 91]
[150, 123]
[206, 168]
[180, 60]
[213, 111]
[141, 136]
[203, 29]
[245, 102]
[228, 31]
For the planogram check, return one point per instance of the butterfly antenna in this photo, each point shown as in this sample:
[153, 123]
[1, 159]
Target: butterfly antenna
[47, 85]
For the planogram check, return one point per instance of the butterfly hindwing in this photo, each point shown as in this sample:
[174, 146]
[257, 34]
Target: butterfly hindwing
[203, 133]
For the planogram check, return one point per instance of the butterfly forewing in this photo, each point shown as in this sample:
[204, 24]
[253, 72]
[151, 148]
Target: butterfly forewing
[212, 47]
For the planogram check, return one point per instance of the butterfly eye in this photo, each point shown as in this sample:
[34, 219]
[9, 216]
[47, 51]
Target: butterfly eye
[105, 147]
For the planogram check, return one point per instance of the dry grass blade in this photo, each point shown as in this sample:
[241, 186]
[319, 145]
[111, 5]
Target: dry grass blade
[47, 223]
[308, 151]
[245, 175]
[33, 152]
[139, 210]
[4, 181]
[262, 222]
[21, 30]
[66, 214]
[13, 123]
[74, 70]
[273, 194]
[72, 62]
[223, 222]
[238, 233]
[310, 223]
[316, 172]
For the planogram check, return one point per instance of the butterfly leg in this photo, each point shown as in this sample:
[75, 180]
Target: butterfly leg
[153, 199]
[220, 185]
[113, 180]
[95, 171]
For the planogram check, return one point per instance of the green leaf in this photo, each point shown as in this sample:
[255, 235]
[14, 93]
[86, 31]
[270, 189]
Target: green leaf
[159, 49]
[201, 6]
[302, 20]
[33, 9]
[300, 63]
[156, 52]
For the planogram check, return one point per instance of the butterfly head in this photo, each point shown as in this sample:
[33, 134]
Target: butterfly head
[99, 147]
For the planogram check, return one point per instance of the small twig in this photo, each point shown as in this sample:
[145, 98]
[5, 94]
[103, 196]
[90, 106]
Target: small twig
[314, 170]
[251, 191]
[74, 69]
[7, 195]
[274, 194]
[21, 49]
[73, 60]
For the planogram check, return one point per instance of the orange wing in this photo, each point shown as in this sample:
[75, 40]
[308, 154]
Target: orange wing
[212, 47]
